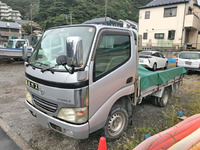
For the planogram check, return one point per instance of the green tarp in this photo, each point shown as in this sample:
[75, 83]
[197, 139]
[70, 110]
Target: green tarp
[150, 78]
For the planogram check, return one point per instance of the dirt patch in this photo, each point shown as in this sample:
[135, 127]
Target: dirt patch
[17, 116]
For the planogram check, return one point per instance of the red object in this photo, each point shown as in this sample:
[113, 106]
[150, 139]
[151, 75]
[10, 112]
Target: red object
[176, 135]
[177, 61]
[149, 59]
[102, 144]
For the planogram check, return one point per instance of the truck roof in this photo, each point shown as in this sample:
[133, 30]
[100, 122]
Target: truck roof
[98, 27]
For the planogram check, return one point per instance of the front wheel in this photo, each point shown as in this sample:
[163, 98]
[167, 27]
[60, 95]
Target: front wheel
[116, 124]
[166, 65]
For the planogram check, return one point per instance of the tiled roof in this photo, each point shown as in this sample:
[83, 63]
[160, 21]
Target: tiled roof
[12, 25]
[156, 3]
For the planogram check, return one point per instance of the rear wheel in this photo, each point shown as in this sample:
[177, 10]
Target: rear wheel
[116, 124]
[154, 67]
[162, 102]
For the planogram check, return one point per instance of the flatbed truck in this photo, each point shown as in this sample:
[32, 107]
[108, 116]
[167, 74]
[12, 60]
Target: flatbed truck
[84, 78]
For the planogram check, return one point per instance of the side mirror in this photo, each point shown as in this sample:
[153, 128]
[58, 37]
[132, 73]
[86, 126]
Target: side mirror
[24, 52]
[74, 48]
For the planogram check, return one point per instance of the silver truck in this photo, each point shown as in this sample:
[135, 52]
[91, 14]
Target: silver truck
[85, 78]
[14, 49]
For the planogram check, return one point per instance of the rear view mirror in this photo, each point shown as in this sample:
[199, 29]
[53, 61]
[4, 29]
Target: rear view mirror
[24, 52]
[74, 50]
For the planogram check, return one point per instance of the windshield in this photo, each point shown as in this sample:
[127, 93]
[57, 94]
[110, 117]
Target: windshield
[189, 56]
[10, 44]
[53, 44]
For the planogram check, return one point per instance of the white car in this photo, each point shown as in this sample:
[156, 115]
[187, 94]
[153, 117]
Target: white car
[153, 60]
[189, 59]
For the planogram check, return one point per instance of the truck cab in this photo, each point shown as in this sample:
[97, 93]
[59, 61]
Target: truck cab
[17, 43]
[79, 79]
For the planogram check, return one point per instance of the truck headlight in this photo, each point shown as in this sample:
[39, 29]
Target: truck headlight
[29, 97]
[74, 115]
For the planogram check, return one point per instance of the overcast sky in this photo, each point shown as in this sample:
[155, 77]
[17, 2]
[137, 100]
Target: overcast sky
[198, 2]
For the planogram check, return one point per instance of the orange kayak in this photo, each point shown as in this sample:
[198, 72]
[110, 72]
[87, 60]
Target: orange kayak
[196, 146]
[187, 142]
[146, 144]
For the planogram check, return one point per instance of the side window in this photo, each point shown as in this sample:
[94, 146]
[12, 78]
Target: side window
[171, 34]
[145, 35]
[20, 44]
[161, 55]
[112, 52]
[170, 12]
[156, 55]
[147, 14]
[159, 35]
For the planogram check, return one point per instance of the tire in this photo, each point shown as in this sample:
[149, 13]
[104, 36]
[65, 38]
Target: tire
[166, 65]
[154, 100]
[116, 123]
[154, 67]
[163, 101]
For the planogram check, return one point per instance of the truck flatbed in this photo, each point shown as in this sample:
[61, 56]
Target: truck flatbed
[154, 83]
[150, 78]
[13, 52]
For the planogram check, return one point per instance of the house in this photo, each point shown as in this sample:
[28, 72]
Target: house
[36, 26]
[129, 24]
[9, 30]
[170, 23]
[8, 13]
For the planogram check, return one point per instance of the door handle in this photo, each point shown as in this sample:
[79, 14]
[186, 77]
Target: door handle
[129, 80]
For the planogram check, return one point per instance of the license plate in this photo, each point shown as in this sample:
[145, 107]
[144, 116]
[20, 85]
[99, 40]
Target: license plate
[32, 85]
[141, 61]
[188, 63]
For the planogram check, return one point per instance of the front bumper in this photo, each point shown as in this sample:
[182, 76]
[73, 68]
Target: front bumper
[71, 130]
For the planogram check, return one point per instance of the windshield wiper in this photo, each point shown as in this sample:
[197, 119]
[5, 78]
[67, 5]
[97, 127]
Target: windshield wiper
[41, 64]
[50, 69]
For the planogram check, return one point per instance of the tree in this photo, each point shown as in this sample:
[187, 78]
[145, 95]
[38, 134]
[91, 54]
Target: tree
[27, 28]
[7, 20]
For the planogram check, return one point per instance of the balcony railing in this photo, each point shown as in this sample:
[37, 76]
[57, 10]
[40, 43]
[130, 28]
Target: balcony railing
[192, 21]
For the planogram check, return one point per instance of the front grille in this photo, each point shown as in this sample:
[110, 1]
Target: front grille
[45, 104]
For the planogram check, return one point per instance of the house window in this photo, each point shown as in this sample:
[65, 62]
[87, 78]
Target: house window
[189, 11]
[147, 14]
[145, 35]
[170, 12]
[159, 36]
[171, 34]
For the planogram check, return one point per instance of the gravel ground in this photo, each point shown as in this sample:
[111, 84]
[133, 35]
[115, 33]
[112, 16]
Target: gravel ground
[15, 114]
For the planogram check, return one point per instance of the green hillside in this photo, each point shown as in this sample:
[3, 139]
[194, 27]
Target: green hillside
[50, 13]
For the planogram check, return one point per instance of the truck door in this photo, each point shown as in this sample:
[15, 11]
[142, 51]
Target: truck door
[112, 67]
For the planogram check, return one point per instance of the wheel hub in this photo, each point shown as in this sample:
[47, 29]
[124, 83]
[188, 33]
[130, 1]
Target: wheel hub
[116, 124]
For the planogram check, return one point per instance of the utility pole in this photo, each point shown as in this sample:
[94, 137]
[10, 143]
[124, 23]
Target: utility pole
[70, 17]
[106, 7]
[31, 17]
